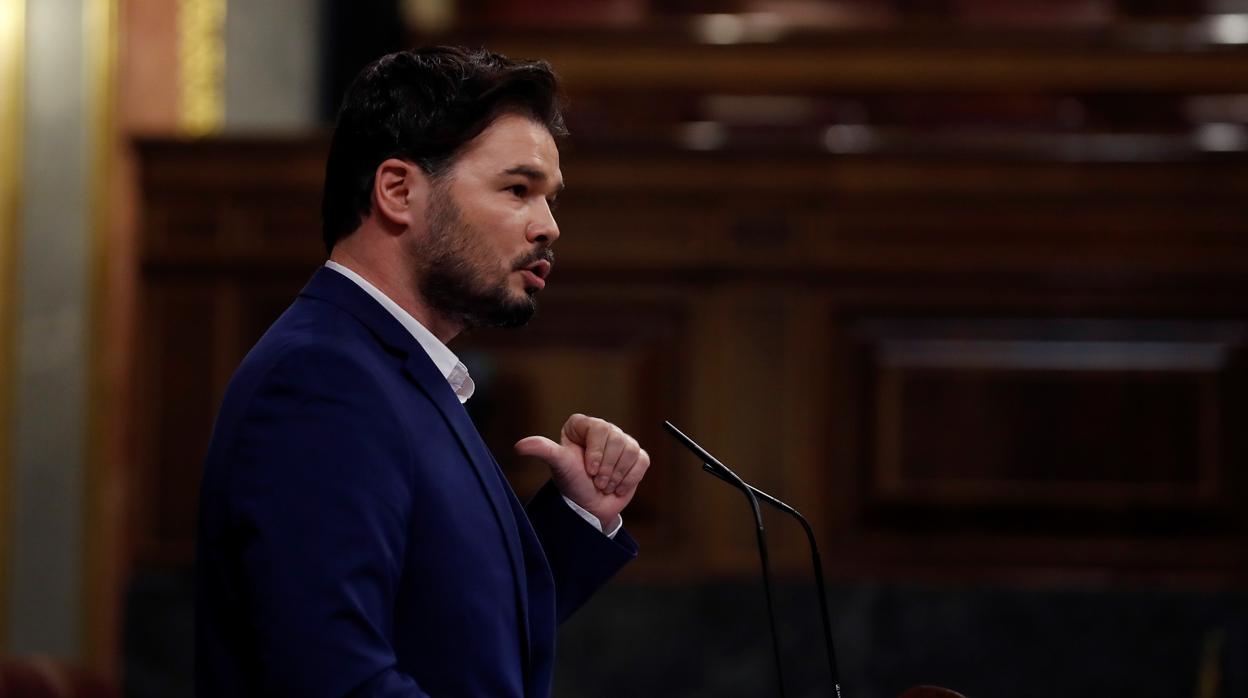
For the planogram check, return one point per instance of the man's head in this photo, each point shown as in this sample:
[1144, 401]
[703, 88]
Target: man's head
[424, 106]
[450, 153]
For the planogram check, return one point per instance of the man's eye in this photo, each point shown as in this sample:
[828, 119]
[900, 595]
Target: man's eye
[519, 190]
[552, 204]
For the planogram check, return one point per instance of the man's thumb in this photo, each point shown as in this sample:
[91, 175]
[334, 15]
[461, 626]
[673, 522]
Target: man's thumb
[539, 447]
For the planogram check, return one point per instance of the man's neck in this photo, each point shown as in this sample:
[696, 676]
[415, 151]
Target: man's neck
[398, 287]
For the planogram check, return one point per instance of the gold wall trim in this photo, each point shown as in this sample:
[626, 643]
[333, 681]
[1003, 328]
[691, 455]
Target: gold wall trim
[201, 66]
[12, 132]
[101, 524]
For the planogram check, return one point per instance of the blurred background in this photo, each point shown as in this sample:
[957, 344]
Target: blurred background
[965, 281]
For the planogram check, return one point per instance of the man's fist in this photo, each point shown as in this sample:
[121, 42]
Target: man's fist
[595, 464]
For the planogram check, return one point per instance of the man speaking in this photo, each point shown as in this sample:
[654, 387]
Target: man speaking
[356, 537]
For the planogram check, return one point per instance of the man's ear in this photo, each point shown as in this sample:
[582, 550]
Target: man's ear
[400, 189]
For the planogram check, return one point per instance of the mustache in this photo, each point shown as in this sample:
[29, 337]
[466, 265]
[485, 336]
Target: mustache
[540, 254]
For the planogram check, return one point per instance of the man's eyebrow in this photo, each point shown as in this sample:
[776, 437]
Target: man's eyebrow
[531, 173]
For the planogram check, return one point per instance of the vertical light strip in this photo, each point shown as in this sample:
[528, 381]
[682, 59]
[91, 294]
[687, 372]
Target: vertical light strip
[100, 524]
[12, 118]
[201, 64]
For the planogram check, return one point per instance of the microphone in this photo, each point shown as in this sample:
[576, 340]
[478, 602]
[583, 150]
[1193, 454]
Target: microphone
[758, 529]
[712, 465]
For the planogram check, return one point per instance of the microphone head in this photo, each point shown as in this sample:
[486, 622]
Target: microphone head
[709, 463]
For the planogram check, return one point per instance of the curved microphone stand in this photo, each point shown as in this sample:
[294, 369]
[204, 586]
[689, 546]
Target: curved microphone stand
[712, 465]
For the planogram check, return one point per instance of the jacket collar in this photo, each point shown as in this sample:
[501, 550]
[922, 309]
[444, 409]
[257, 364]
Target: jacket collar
[448, 364]
[328, 285]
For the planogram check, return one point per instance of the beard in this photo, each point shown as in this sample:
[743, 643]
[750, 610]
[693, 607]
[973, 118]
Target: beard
[457, 282]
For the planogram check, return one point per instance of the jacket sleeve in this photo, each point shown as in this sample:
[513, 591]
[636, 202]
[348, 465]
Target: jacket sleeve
[581, 558]
[319, 503]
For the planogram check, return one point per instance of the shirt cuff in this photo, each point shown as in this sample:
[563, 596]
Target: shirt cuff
[593, 520]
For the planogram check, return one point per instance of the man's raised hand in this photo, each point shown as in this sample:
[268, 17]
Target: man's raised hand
[595, 464]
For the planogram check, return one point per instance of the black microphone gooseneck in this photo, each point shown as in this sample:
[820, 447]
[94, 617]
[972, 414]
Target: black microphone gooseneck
[726, 474]
[815, 562]
[711, 465]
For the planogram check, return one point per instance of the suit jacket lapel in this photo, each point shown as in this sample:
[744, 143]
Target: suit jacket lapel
[335, 288]
[541, 597]
[419, 366]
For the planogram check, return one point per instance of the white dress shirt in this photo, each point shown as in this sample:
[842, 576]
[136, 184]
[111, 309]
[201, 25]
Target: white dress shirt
[449, 365]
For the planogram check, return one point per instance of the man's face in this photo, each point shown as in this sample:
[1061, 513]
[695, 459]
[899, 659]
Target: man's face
[489, 227]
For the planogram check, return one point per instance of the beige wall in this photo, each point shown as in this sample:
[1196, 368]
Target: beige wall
[49, 378]
[67, 222]
[272, 60]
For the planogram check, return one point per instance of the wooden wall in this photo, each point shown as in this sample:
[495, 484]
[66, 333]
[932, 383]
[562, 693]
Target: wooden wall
[965, 358]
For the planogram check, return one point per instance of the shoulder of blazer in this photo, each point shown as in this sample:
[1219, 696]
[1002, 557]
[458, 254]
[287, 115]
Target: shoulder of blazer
[331, 287]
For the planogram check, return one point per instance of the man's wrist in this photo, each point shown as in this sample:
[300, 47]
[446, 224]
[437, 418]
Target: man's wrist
[607, 528]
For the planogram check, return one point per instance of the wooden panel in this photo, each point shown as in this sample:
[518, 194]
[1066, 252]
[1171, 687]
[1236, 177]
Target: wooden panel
[987, 440]
[1116, 416]
[177, 347]
[915, 61]
[241, 205]
[714, 213]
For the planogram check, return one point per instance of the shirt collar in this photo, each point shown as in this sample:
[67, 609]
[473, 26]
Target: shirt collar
[449, 365]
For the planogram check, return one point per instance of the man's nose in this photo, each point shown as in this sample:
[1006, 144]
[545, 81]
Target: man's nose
[543, 229]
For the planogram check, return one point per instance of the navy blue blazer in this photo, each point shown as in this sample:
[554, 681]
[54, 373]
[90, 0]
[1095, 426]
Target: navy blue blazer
[357, 538]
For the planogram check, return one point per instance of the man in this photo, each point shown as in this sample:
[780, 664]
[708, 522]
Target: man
[356, 536]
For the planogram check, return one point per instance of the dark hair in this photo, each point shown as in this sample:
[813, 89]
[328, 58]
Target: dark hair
[423, 106]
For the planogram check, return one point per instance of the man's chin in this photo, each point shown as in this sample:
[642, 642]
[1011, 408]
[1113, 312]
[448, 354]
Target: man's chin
[503, 306]
[515, 312]
[516, 316]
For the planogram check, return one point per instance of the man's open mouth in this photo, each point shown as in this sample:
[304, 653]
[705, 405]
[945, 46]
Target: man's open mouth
[540, 269]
